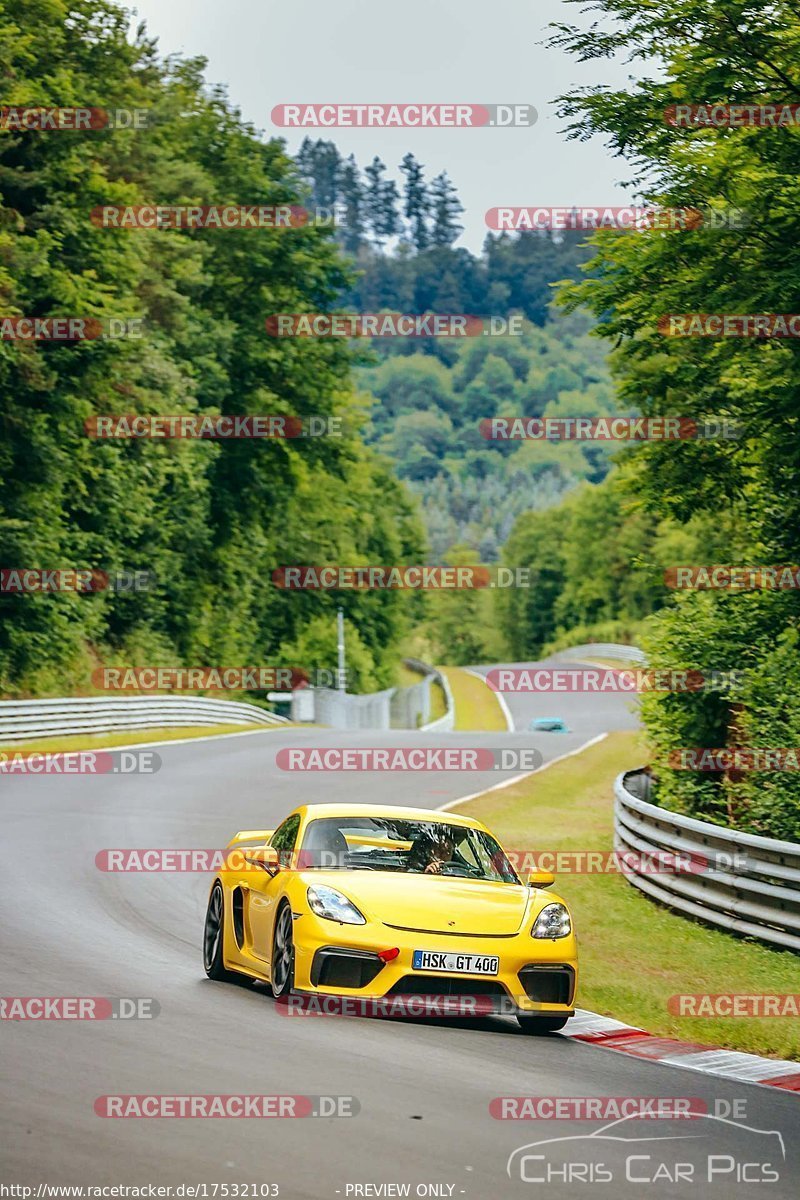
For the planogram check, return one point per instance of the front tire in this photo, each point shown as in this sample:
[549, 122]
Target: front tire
[281, 970]
[214, 937]
[540, 1025]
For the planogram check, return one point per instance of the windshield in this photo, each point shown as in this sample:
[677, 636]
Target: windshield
[421, 847]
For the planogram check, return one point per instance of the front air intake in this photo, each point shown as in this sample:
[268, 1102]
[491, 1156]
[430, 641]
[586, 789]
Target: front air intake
[548, 985]
[342, 968]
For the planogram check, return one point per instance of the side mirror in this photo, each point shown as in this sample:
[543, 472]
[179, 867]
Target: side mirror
[541, 879]
[265, 857]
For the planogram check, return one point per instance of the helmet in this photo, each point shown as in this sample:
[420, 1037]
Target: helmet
[441, 836]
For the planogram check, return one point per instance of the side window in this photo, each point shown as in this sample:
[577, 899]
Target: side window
[467, 850]
[284, 838]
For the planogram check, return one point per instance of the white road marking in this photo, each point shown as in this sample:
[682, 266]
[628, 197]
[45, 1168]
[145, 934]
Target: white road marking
[525, 774]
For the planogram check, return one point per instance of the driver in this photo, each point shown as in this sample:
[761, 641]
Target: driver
[431, 851]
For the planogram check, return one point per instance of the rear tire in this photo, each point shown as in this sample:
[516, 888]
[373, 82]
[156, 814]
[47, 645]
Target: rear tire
[540, 1025]
[281, 969]
[214, 938]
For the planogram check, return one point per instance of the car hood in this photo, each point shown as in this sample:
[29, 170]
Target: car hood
[431, 903]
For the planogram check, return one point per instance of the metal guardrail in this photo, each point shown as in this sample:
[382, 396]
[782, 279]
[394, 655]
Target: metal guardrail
[448, 720]
[741, 882]
[22, 720]
[625, 654]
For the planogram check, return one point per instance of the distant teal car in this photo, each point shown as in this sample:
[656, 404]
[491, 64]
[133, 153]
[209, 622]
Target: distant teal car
[548, 725]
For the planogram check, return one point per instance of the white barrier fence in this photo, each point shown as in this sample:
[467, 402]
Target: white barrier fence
[22, 720]
[346, 710]
[394, 708]
[741, 882]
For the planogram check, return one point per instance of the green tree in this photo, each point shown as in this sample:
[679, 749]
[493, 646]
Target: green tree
[326, 167]
[315, 646]
[212, 520]
[353, 198]
[417, 202]
[381, 203]
[742, 52]
[527, 614]
[457, 618]
[418, 442]
[446, 208]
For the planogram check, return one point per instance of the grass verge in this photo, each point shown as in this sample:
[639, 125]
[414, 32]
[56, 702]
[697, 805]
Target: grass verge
[126, 737]
[438, 701]
[477, 707]
[634, 954]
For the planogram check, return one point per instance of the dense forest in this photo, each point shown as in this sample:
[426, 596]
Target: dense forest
[211, 520]
[402, 242]
[472, 487]
[430, 395]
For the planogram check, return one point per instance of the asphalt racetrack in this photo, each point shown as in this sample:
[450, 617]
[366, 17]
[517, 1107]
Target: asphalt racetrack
[423, 1089]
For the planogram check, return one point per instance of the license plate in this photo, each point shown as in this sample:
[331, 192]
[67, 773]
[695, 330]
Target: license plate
[455, 964]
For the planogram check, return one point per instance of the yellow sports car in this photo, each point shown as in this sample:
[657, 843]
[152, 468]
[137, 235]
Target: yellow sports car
[357, 900]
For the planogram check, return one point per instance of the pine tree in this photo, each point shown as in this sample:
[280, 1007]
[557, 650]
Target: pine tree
[381, 203]
[447, 208]
[417, 202]
[391, 224]
[305, 160]
[354, 199]
[326, 164]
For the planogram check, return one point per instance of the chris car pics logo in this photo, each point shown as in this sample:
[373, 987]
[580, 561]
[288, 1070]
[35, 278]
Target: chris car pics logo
[702, 1150]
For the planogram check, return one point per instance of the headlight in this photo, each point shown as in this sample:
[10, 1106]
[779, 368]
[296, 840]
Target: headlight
[333, 906]
[552, 922]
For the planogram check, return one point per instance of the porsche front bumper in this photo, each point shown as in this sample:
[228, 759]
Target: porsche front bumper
[534, 976]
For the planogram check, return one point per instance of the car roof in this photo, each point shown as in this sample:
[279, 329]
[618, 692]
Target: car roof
[314, 811]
